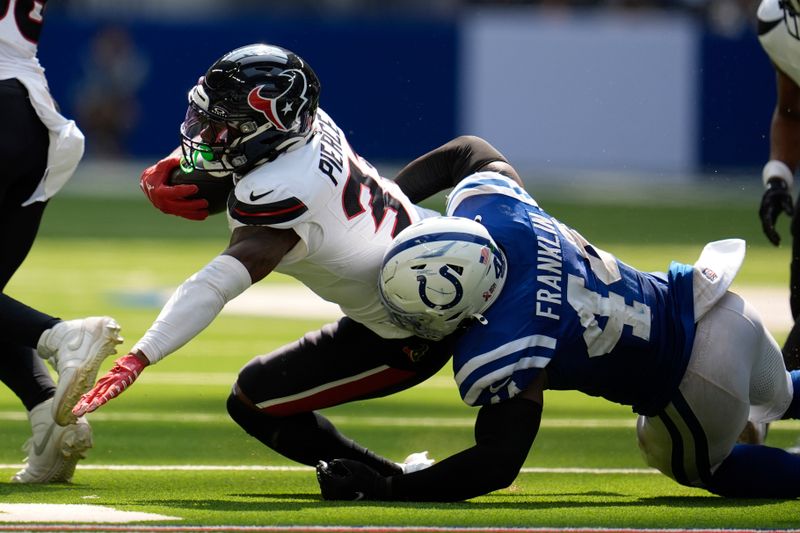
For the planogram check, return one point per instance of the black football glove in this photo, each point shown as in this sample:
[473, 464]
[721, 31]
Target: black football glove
[346, 479]
[776, 198]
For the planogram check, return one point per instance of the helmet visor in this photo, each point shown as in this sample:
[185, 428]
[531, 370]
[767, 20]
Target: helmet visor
[207, 141]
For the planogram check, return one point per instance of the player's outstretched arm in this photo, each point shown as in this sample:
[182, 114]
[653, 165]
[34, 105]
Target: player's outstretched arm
[504, 433]
[252, 254]
[446, 166]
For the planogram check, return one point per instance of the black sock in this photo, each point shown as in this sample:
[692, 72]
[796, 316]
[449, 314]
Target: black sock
[25, 373]
[21, 324]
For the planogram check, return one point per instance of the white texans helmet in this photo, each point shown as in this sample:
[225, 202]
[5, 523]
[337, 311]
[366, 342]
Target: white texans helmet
[439, 272]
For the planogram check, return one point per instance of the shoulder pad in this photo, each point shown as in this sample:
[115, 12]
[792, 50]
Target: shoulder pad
[266, 202]
[281, 193]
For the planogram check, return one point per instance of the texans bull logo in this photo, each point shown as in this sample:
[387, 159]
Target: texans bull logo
[280, 110]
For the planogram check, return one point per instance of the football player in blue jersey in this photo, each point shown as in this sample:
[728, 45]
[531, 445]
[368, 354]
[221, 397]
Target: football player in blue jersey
[532, 305]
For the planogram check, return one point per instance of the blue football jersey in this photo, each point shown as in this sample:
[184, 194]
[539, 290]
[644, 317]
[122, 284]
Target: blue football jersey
[598, 325]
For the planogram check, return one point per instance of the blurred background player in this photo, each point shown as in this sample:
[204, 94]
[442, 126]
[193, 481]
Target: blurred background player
[690, 357]
[304, 204]
[778, 30]
[779, 34]
[41, 150]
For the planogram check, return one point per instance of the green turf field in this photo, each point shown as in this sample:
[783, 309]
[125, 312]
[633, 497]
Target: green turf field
[167, 446]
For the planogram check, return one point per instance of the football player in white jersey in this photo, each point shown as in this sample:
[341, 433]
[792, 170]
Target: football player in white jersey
[305, 204]
[778, 32]
[41, 149]
[530, 305]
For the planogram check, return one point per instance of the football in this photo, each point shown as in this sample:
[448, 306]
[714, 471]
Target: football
[214, 189]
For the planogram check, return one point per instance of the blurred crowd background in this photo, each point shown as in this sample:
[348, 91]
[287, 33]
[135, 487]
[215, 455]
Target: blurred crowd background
[666, 87]
[146, 8]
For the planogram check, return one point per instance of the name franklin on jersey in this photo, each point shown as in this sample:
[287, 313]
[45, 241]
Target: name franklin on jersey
[549, 267]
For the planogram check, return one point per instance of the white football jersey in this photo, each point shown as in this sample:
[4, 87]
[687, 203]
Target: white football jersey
[20, 27]
[345, 213]
[783, 49]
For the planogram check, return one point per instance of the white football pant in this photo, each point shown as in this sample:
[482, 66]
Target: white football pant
[736, 372]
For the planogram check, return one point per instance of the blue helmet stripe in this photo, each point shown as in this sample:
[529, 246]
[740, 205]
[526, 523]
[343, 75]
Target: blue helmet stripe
[436, 237]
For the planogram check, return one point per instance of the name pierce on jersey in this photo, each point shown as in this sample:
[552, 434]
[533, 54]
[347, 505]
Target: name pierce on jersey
[331, 160]
[549, 268]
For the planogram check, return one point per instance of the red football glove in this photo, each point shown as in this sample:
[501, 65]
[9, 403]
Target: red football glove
[124, 372]
[172, 199]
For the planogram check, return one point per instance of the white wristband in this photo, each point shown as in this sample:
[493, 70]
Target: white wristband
[777, 169]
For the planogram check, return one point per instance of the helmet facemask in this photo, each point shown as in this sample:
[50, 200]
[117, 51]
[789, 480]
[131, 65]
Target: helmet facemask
[791, 13]
[214, 144]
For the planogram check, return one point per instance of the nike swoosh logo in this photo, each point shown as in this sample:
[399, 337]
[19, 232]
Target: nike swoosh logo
[494, 388]
[254, 197]
[38, 447]
[359, 496]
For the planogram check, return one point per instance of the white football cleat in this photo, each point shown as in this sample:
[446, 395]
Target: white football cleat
[54, 450]
[76, 348]
[416, 462]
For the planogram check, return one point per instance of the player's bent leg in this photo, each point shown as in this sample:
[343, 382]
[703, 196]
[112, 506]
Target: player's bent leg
[769, 387]
[276, 395]
[770, 384]
[699, 428]
[53, 450]
[306, 438]
[342, 362]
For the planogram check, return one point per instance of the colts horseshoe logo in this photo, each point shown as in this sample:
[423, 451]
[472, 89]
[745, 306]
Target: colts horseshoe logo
[446, 274]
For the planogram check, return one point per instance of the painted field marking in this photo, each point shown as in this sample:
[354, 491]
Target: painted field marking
[56, 512]
[370, 421]
[296, 468]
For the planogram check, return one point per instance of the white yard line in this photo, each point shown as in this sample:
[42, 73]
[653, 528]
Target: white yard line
[371, 421]
[278, 468]
[53, 512]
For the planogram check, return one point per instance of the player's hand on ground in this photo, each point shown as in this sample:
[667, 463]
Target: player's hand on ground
[124, 372]
[172, 199]
[345, 479]
[777, 198]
